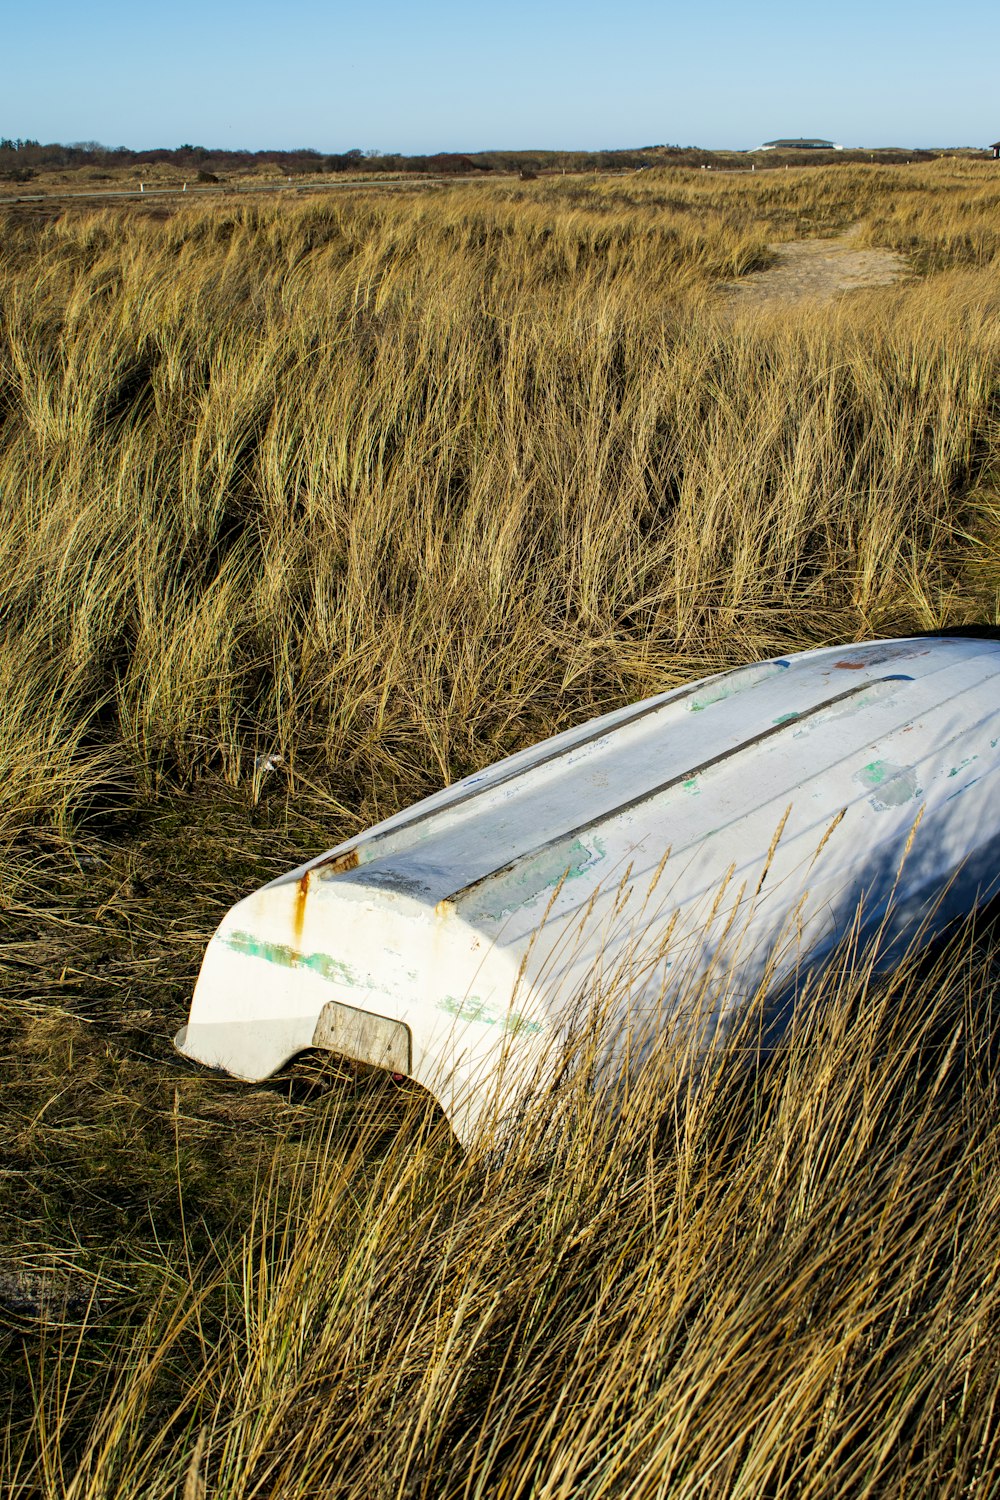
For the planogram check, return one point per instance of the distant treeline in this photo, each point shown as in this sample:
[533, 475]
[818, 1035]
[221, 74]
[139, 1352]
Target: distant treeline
[32, 156]
[20, 159]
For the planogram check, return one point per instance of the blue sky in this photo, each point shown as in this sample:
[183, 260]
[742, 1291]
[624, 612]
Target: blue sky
[448, 76]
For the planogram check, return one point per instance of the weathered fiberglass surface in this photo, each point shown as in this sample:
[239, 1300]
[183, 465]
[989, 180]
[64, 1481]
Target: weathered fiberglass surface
[659, 861]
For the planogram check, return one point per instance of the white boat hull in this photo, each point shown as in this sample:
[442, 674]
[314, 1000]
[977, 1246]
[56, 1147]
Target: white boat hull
[665, 859]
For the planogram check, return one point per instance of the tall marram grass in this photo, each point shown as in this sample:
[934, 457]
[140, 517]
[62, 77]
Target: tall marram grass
[390, 487]
[777, 1283]
[447, 472]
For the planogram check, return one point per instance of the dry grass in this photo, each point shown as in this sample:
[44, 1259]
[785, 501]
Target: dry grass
[392, 487]
[784, 1283]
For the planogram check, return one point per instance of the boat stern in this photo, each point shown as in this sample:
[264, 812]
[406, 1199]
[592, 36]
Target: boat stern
[322, 959]
[260, 992]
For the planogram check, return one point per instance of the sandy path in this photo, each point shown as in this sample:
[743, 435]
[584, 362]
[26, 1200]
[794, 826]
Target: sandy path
[816, 270]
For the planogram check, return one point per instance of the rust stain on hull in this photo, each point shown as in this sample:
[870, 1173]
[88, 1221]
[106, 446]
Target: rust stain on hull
[299, 909]
[339, 864]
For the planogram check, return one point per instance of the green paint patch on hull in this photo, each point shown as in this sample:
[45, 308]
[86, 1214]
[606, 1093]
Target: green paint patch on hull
[538, 873]
[332, 969]
[892, 785]
[734, 682]
[705, 700]
[473, 1008]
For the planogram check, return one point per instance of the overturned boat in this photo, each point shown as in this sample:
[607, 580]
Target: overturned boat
[667, 860]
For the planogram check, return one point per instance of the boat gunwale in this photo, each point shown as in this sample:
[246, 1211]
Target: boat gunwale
[624, 719]
[771, 732]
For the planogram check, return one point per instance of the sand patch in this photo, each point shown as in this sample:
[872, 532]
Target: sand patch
[816, 271]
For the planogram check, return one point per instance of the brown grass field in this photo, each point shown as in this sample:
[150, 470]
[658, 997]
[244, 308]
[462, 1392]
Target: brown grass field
[391, 486]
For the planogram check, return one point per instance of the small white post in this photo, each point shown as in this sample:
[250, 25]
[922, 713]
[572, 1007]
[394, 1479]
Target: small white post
[142, 187]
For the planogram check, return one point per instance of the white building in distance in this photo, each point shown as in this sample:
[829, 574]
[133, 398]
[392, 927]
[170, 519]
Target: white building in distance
[800, 145]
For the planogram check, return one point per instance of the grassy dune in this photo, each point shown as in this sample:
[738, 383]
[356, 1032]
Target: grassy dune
[391, 487]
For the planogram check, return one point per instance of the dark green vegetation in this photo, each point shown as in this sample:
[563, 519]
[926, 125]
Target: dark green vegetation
[25, 161]
[390, 488]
